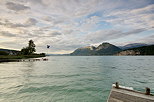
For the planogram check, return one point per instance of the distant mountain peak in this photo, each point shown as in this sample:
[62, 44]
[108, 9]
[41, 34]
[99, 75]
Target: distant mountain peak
[104, 46]
[102, 49]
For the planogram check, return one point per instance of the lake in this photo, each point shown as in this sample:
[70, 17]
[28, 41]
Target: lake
[73, 78]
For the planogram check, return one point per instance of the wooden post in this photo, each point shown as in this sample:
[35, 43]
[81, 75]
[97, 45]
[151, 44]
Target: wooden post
[116, 85]
[147, 91]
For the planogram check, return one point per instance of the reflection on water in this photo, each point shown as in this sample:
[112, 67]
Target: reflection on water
[73, 78]
[26, 72]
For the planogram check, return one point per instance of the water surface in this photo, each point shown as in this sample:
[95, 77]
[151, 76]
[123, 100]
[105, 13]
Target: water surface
[73, 78]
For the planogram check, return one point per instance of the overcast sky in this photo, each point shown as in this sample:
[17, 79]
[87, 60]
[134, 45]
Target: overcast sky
[69, 24]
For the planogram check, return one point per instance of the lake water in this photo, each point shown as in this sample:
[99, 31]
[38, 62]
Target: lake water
[73, 78]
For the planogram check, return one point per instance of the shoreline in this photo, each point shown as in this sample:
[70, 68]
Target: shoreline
[17, 58]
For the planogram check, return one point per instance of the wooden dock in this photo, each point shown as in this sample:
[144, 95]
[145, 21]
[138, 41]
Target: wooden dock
[119, 94]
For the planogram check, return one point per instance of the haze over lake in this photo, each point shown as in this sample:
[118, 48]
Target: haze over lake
[73, 78]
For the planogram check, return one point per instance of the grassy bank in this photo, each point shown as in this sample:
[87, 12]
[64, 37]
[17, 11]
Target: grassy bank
[10, 58]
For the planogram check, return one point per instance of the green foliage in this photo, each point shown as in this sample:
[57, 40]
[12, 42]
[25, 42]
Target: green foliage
[145, 50]
[43, 54]
[30, 49]
[3, 53]
[25, 51]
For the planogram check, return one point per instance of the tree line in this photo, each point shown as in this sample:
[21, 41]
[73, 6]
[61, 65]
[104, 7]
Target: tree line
[28, 50]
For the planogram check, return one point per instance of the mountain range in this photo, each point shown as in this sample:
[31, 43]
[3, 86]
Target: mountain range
[110, 49]
[102, 49]
[133, 45]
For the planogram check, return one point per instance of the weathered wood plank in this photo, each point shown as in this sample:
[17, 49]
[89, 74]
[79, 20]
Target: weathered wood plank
[125, 95]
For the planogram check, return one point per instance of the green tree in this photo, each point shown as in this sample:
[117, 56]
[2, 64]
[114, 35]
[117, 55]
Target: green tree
[30, 49]
[24, 51]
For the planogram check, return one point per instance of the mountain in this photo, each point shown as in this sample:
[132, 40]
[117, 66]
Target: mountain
[133, 45]
[107, 49]
[84, 51]
[144, 50]
[102, 49]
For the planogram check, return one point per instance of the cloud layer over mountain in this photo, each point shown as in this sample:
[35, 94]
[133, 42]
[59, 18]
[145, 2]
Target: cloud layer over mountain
[69, 24]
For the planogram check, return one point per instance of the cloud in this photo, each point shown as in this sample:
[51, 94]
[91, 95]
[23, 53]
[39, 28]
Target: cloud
[56, 33]
[104, 35]
[14, 44]
[69, 24]
[16, 7]
[36, 1]
[31, 21]
[7, 34]
[90, 23]
[54, 20]
[42, 34]
[139, 17]
[28, 23]
[148, 39]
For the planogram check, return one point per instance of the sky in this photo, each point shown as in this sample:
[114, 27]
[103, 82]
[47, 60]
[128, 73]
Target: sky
[66, 25]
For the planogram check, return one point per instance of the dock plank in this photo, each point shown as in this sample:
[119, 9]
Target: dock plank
[122, 95]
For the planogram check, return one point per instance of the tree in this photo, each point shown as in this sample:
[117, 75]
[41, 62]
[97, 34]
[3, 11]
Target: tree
[31, 46]
[30, 49]
[24, 51]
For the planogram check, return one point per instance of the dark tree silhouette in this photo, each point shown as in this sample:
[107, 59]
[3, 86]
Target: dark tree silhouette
[30, 49]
